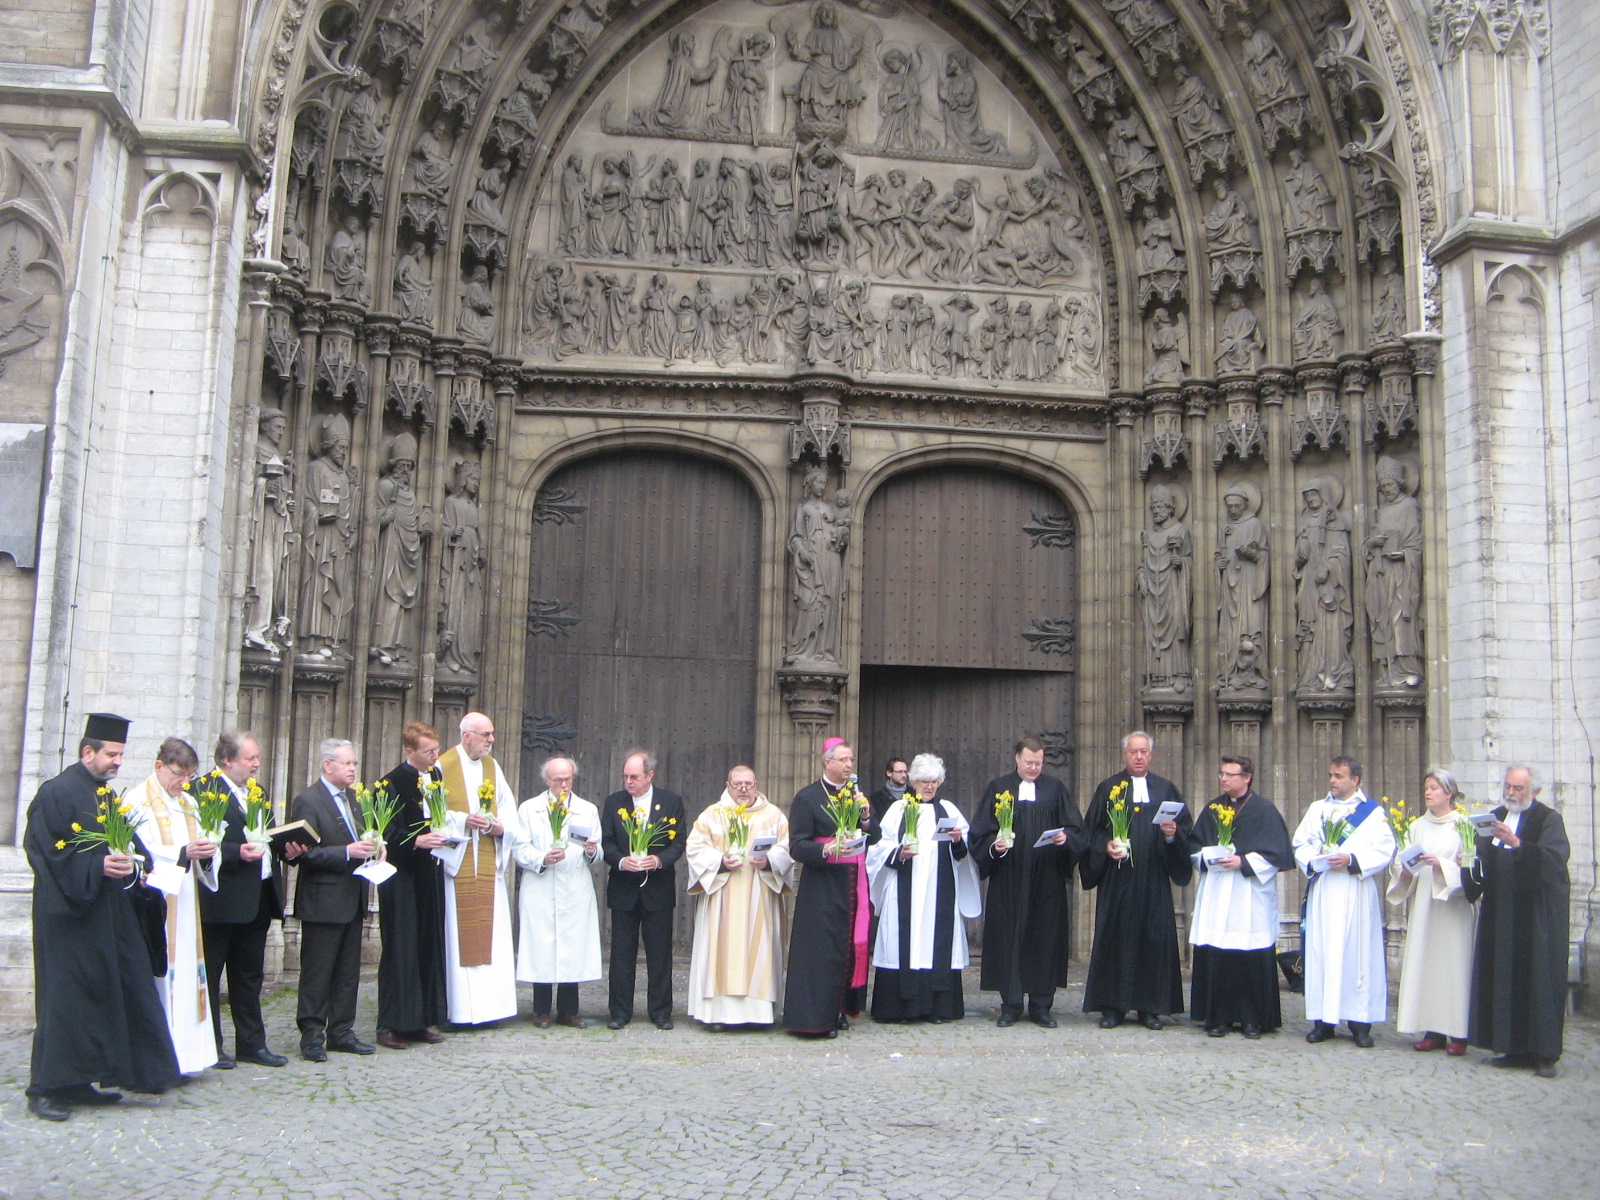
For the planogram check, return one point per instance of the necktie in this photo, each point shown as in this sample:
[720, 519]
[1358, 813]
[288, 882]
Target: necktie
[343, 806]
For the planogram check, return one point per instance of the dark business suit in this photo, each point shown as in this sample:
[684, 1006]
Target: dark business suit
[235, 920]
[331, 905]
[642, 903]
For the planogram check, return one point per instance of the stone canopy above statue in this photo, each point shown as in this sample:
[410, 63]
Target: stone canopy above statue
[776, 187]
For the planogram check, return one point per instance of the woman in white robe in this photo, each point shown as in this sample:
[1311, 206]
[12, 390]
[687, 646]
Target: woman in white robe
[558, 943]
[184, 861]
[736, 965]
[921, 890]
[1436, 972]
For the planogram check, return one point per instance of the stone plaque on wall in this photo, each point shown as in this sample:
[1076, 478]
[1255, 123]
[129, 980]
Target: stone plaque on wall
[22, 449]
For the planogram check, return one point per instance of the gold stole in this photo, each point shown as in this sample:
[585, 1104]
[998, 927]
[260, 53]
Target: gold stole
[474, 888]
[741, 949]
[157, 800]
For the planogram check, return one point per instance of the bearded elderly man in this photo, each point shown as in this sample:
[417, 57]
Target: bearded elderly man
[739, 870]
[480, 965]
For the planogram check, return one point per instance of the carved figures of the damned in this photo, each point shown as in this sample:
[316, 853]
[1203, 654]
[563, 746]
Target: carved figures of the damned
[1394, 577]
[1241, 560]
[1166, 589]
[327, 538]
[818, 541]
[272, 510]
[1323, 612]
[461, 564]
[402, 526]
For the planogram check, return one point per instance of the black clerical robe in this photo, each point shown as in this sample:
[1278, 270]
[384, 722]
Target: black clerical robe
[1134, 964]
[411, 974]
[830, 911]
[1027, 912]
[98, 1016]
[1519, 964]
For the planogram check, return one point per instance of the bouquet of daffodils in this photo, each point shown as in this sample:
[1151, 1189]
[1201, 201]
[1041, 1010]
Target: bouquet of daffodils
[486, 795]
[645, 836]
[1005, 813]
[1225, 815]
[911, 819]
[435, 807]
[1120, 817]
[845, 808]
[1399, 823]
[560, 810]
[257, 814]
[739, 831]
[1469, 839]
[117, 832]
[1334, 832]
[378, 808]
[209, 808]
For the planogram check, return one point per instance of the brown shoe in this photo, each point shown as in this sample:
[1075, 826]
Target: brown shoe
[542, 1021]
[572, 1021]
[426, 1035]
[1456, 1048]
[392, 1041]
[1428, 1043]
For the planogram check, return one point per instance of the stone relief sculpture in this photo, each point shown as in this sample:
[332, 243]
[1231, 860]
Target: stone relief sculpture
[1169, 354]
[1394, 577]
[1242, 564]
[271, 536]
[1323, 609]
[413, 285]
[476, 321]
[1232, 241]
[402, 528]
[1308, 216]
[1388, 304]
[347, 261]
[1166, 590]
[1132, 150]
[744, 91]
[900, 99]
[461, 566]
[1317, 325]
[327, 541]
[958, 103]
[1162, 265]
[828, 89]
[677, 104]
[1239, 341]
[1208, 139]
[818, 541]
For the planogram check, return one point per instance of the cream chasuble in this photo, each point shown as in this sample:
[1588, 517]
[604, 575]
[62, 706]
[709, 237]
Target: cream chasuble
[480, 978]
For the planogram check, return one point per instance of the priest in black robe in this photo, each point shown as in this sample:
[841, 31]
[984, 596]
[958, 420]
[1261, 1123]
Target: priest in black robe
[826, 983]
[1134, 964]
[411, 971]
[97, 1014]
[1027, 913]
[1519, 965]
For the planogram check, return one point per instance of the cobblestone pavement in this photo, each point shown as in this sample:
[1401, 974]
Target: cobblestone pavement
[925, 1112]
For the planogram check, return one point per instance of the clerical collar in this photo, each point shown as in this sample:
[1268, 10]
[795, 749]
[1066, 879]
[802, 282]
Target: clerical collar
[642, 803]
[1027, 790]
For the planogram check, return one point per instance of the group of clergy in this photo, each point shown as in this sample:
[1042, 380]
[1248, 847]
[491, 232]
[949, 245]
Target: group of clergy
[130, 947]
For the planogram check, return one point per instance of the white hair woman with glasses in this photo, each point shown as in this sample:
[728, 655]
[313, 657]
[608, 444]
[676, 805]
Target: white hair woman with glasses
[923, 882]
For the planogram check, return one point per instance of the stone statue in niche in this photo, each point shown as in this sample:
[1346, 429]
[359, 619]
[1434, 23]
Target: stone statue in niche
[1308, 201]
[1239, 341]
[678, 104]
[402, 528]
[413, 285]
[328, 509]
[1195, 107]
[573, 202]
[431, 164]
[1242, 564]
[347, 261]
[1230, 225]
[271, 534]
[474, 51]
[1266, 68]
[1388, 304]
[1394, 577]
[1317, 324]
[744, 91]
[1166, 589]
[461, 566]
[823, 233]
[818, 540]
[1161, 261]
[475, 323]
[958, 104]
[292, 247]
[484, 207]
[1169, 339]
[827, 90]
[362, 125]
[1323, 610]
[900, 100]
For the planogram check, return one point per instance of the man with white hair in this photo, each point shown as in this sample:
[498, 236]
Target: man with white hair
[1519, 974]
[558, 840]
[480, 978]
[1134, 964]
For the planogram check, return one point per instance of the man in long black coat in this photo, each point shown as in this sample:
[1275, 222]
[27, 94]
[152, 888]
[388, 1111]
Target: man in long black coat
[1135, 960]
[1519, 966]
[97, 1014]
[828, 950]
[1027, 912]
[411, 974]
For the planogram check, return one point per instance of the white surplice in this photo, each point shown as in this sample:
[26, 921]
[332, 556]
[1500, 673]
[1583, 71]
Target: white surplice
[489, 992]
[1436, 972]
[1235, 911]
[559, 920]
[1346, 977]
[923, 879]
[165, 830]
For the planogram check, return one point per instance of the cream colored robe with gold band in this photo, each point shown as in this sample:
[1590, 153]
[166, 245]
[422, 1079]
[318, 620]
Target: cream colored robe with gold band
[165, 829]
[1436, 973]
[486, 991]
[736, 967]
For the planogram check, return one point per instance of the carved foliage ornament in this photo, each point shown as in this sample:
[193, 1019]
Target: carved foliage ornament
[1452, 22]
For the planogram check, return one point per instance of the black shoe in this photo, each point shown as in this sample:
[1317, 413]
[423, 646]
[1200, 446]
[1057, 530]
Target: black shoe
[265, 1058]
[1151, 1021]
[87, 1096]
[617, 1023]
[664, 1024]
[938, 1020]
[313, 1052]
[1110, 1020]
[1321, 1031]
[224, 1061]
[1043, 1019]
[1362, 1032]
[1545, 1068]
[1007, 1018]
[1252, 1033]
[49, 1108]
[1508, 1060]
[352, 1045]
[1216, 1031]
[842, 1024]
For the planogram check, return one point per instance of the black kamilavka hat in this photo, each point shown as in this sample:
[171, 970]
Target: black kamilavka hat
[106, 727]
